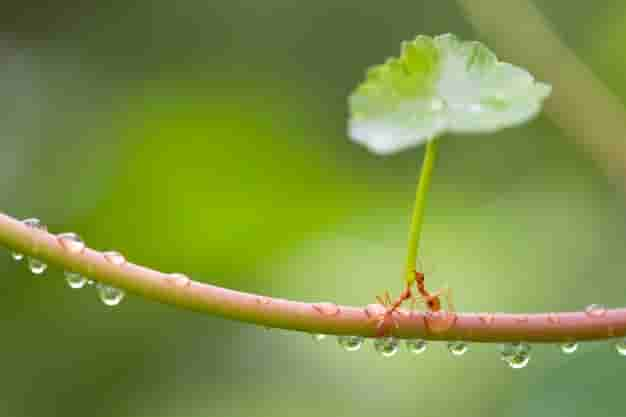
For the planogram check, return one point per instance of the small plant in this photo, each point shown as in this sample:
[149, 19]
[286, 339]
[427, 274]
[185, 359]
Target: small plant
[437, 85]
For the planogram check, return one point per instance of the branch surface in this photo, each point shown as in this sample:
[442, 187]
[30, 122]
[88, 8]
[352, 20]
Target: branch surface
[323, 318]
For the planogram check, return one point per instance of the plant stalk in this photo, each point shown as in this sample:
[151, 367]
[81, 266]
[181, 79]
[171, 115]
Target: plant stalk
[417, 219]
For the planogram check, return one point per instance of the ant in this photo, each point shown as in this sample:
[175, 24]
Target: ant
[432, 301]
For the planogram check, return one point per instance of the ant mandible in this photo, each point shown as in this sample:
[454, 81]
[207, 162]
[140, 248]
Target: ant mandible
[432, 301]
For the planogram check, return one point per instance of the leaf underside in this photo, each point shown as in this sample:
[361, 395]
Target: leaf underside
[440, 85]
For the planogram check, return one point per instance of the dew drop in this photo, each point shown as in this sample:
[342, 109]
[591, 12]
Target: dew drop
[318, 337]
[569, 347]
[36, 266]
[386, 346]
[620, 346]
[263, 300]
[90, 282]
[487, 318]
[350, 343]
[554, 318]
[507, 351]
[458, 348]
[115, 258]
[75, 280]
[516, 355]
[440, 321]
[416, 346]
[34, 223]
[109, 295]
[71, 242]
[17, 256]
[178, 280]
[326, 309]
[519, 361]
[595, 311]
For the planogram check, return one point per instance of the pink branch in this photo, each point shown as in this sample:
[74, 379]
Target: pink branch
[325, 318]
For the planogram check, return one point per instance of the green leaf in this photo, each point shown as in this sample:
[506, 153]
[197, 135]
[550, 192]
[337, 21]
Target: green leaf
[440, 85]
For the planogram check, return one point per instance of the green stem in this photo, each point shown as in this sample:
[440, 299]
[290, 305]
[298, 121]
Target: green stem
[418, 210]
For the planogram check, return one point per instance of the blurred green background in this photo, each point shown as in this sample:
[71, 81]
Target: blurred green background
[183, 133]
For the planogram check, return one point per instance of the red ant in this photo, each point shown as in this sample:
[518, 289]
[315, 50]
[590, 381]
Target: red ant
[432, 302]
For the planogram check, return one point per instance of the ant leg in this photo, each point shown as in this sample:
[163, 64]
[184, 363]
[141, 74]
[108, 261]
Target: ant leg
[380, 300]
[384, 300]
[419, 270]
[388, 298]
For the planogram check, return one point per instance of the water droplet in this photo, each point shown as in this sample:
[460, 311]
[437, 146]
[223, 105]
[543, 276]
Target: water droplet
[595, 311]
[458, 348]
[516, 355]
[487, 318]
[71, 242]
[17, 256]
[34, 223]
[75, 280]
[263, 300]
[569, 347]
[326, 309]
[374, 310]
[36, 266]
[507, 351]
[318, 337]
[416, 346]
[115, 258]
[620, 346]
[90, 282]
[519, 361]
[554, 318]
[178, 280]
[440, 321]
[109, 295]
[386, 346]
[350, 343]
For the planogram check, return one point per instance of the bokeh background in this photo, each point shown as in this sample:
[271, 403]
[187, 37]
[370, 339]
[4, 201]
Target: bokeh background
[208, 137]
